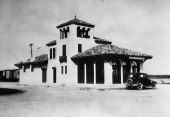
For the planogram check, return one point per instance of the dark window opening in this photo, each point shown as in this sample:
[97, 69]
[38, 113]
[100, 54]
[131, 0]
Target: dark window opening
[64, 50]
[79, 48]
[83, 33]
[78, 32]
[62, 69]
[54, 51]
[65, 69]
[50, 53]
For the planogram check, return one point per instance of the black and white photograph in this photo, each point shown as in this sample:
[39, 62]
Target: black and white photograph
[84, 58]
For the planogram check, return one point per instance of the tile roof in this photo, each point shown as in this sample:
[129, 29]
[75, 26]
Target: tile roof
[37, 59]
[77, 22]
[51, 43]
[108, 49]
[101, 41]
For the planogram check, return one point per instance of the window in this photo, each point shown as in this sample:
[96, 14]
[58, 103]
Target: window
[32, 68]
[78, 32]
[50, 53]
[83, 33]
[62, 69]
[64, 32]
[79, 48]
[54, 52]
[64, 50]
[65, 69]
[24, 69]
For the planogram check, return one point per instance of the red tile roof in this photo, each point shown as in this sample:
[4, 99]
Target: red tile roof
[77, 22]
[108, 49]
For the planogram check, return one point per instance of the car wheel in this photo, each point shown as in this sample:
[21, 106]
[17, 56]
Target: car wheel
[127, 87]
[139, 86]
[154, 86]
[129, 82]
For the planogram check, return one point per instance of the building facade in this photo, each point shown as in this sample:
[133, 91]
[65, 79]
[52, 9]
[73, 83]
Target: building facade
[78, 57]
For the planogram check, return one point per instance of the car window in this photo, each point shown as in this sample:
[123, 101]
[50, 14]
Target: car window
[130, 75]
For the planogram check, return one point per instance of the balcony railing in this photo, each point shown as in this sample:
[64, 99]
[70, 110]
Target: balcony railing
[63, 59]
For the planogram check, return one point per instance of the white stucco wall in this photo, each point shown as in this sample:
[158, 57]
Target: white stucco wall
[29, 77]
[71, 43]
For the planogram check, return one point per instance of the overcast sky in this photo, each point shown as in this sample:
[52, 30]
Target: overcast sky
[141, 25]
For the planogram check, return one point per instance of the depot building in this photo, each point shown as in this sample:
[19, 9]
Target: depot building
[78, 57]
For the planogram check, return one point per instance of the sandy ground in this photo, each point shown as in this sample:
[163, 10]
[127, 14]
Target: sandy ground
[62, 101]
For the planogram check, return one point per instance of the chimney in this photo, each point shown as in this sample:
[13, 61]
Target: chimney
[31, 44]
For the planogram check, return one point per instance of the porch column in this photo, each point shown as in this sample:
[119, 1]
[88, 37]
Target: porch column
[85, 74]
[121, 72]
[108, 73]
[94, 68]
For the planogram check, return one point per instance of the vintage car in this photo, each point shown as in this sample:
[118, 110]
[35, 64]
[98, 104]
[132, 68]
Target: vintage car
[139, 80]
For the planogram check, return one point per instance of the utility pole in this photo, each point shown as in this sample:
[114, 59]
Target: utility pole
[31, 44]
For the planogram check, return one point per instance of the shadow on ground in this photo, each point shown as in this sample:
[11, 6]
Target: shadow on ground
[8, 91]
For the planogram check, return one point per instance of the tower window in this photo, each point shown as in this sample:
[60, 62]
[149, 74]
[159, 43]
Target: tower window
[79, 48]
[64, 50]
[83, 33]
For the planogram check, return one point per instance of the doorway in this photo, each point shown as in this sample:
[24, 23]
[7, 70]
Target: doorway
[44, 75]
[54, 75]
[116, 74]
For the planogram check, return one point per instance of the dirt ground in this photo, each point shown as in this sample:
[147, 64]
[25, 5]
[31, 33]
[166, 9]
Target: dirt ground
[62, 101]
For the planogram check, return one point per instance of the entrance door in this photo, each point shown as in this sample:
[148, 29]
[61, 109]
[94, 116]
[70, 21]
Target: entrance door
[116, 74]
[80, 73]
[99, 72]
[44, 75]
[54, 75]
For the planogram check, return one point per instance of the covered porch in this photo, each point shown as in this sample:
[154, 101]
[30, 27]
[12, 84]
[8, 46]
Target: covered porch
[106, 68]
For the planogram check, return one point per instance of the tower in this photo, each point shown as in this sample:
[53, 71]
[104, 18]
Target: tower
[74, 36]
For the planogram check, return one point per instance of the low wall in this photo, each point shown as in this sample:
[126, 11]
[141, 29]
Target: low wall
[161, 80]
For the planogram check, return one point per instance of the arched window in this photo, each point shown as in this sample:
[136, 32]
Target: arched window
[68, 29]
[60, 34]
[83, 31]
[87, 33]
[134, 67]
[65, 32]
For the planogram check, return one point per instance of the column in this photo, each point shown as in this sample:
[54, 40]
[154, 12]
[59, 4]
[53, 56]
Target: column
[108, 73]
[94, 68]
[85, 74]
[121, 72]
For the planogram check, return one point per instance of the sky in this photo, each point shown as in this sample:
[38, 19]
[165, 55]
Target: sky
[140, 25]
